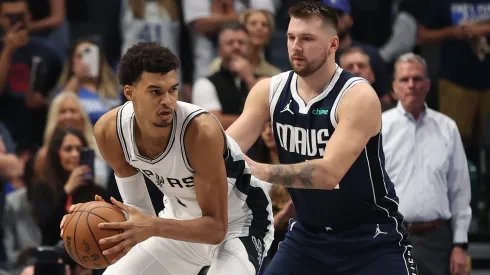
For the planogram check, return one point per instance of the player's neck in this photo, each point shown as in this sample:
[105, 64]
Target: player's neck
[316, 83]
[151, 138]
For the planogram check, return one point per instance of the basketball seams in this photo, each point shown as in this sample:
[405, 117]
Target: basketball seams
[75, 231]
[71, 216]
[93, 236]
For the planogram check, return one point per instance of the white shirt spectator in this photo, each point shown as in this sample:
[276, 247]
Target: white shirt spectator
[427, 163]
[204, 94]
[204, 51]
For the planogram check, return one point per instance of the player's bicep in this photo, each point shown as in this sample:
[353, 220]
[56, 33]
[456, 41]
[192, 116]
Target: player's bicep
[359, 116]
[247, 128]
[205, 145]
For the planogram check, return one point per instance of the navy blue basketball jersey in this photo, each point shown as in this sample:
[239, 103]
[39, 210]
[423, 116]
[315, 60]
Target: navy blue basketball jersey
[302, 130]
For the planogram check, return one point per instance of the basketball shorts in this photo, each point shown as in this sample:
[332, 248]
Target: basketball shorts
[367, 250]
[160, 256]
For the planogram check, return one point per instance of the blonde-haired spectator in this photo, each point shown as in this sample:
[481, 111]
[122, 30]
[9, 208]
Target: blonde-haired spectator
[259, 25]
[66, 111]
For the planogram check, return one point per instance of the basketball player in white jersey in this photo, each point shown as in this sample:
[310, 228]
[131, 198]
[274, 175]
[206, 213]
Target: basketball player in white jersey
[216, 214]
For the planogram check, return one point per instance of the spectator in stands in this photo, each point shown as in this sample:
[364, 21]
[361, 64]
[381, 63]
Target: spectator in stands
[11, 168]
[21, 230]
[356, 61]
[205, 19]
[49, 24]
[224, 92]
[463, 29]
[259, 25]
[45, 202]
[382, 85]
[28, 71]
[66, 111]
[150, 21]
[65, 183]
[99, 93]
[426, 161]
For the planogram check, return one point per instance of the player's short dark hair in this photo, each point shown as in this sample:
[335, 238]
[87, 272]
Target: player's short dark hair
[235, 26]
[307, 9]
[146, 57]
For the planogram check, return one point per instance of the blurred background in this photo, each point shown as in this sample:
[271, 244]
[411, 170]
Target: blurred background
[58, 76]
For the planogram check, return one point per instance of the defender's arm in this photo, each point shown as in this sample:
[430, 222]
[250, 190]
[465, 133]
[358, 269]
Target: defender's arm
[247, 128]
[205, 144]
[359, 116]
[130, 182]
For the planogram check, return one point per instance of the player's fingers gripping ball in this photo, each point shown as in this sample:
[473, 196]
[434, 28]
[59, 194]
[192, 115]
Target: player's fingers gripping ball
[81, 233]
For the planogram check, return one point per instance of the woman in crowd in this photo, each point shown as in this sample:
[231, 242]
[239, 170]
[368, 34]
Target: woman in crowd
[45, 202]
[66, 111]
[259, 25]
[87, 74]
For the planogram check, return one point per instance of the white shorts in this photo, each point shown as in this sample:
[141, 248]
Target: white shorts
[237, 256]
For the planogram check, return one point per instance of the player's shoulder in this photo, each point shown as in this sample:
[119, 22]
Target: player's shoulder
[361, 91]
[105, 127]
[204, 125]
[278, 79]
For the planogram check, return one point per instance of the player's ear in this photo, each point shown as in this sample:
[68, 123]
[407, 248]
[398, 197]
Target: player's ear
[334, 43]
[128, 92]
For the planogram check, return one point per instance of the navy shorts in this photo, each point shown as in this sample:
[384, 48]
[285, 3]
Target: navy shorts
[368, 249]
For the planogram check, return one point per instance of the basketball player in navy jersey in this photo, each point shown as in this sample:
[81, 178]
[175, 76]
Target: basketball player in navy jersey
[327, 125]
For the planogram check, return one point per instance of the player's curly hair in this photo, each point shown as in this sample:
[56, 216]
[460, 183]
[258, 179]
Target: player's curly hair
[146, 57]
[306, 9]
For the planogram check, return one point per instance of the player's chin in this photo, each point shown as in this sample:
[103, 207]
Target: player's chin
[162, 123]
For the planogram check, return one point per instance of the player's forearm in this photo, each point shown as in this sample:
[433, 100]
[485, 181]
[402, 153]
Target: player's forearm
[201, 230]
[306, 175]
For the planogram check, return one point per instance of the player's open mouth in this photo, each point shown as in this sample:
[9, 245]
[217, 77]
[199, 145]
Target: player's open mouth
[164, 113]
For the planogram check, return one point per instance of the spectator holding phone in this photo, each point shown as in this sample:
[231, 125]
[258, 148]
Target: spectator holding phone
[67, 182]
[24, 78]
[88, 74]
[66, 111]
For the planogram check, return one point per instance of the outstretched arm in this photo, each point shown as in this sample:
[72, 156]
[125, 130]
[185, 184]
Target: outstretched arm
[247, 128]
[359, 116]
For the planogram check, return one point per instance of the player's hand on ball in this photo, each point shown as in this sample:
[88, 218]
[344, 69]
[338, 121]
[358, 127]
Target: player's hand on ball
[137, 228]
[72, 208]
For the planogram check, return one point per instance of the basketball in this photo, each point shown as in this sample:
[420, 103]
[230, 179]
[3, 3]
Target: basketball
[82, 233]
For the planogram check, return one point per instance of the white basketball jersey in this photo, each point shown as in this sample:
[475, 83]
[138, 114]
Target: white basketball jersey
[157, 26]
[249, 207]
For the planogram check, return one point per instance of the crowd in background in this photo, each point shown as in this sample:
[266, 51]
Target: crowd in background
[51, 95]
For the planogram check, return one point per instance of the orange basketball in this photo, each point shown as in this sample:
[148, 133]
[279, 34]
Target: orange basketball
[82, 233]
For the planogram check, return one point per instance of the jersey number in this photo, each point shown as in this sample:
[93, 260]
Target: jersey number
[150, 33]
